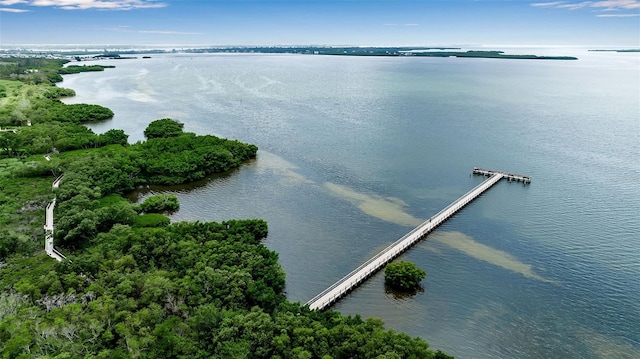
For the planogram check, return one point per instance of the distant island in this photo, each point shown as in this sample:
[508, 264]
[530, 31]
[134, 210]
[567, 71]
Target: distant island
[321, 50]
[380, 51]
[623, 50]
[492, 55]
[303, 50]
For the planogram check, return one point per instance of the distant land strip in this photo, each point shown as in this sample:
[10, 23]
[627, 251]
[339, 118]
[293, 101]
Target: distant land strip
[622, 50]
[381, 51]
[314, 50]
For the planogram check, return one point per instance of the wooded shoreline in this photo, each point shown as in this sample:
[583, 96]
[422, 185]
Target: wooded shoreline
[136, 285]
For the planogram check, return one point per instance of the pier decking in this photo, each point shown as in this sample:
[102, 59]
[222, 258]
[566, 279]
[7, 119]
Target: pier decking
[508, 176]
[368, 268]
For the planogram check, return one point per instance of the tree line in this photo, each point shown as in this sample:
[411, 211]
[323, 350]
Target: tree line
[40, 70]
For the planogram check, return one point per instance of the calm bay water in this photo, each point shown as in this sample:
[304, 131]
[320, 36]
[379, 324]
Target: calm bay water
[355, 151]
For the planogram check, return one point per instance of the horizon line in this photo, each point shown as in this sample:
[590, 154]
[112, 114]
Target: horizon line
[191, 46]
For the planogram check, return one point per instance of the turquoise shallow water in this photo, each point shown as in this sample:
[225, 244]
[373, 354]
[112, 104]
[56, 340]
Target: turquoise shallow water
[355, 151]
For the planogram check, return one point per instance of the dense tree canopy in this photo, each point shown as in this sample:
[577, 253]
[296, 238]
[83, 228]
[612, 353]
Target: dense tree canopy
[37, 70]
[160, 203]
[62, 136]
[200, 290]
[80, 113]
[75, 69]
[112, 137]
[55, 92]
[403, 275]
[32, 70]
[163, 128]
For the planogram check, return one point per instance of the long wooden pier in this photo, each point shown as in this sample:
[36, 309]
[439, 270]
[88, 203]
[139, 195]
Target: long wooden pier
[368, 268]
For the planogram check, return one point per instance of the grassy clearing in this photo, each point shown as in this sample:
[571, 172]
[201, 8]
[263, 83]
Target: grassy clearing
[112, 200]
[68, 156]
[10, 87]
[18, 101]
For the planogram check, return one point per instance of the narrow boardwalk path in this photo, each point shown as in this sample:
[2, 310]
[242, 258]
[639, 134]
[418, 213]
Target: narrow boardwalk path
[48, 234]
[56, 182]
[48, 223]
[364, 271]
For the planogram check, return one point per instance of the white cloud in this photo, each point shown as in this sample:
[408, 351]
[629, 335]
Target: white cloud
[605, 5]
[89, 4]
[618, 15]
[612, 8]
[617, 4]
[8, 9]
[11, 2]
[547, 4]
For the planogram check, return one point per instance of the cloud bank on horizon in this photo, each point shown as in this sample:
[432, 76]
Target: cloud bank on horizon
[604, 5]
[611, 6]
[83, 4]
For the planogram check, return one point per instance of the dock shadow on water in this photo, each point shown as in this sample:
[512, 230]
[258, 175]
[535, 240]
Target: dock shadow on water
[394, 210]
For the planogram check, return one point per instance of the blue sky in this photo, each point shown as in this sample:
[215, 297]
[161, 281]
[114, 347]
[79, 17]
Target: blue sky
[321, 22]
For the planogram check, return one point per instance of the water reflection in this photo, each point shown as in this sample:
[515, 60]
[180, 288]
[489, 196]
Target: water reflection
[402, 294]
[142, 192]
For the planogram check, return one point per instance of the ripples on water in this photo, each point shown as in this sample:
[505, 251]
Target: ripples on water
[355, 150]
